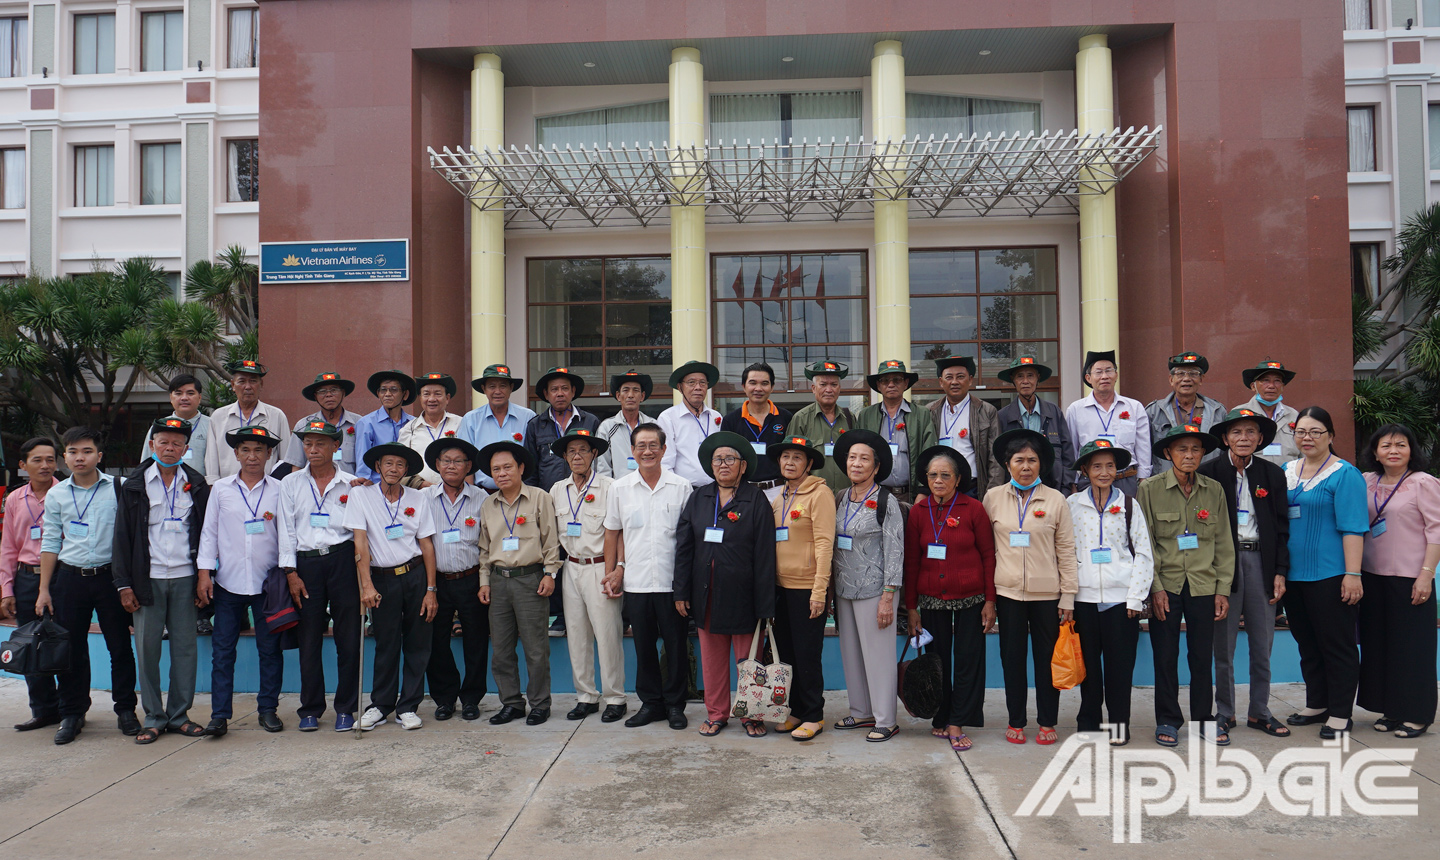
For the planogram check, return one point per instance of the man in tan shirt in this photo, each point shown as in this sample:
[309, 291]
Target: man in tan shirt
[519, 558]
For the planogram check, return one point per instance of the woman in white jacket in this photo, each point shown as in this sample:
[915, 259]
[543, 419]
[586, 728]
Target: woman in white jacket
[1116, 566]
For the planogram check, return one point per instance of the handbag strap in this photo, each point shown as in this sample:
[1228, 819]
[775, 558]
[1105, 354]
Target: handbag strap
[770, 635]
[755, 640]
[906, 652]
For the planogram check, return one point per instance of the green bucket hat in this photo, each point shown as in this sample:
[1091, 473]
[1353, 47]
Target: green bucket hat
[407, 384]
[1189, 359]
[798, 443]
[319, 428]
[1162, 445]
[598, 445]
[1025, 361]
[888, 367]
[445, 443]
[576, 381]
[827, 367]
[712, 373]
[1268, 428]
[1098, 446]
[247, 366]
[324, 379]
[414, 463]
[1250, 374]
[496, 371]
[444, 379]
[647, 385]
[252, 433]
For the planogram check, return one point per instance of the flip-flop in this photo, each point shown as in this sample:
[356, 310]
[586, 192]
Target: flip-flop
[1046, 737]
[1269, 726]
[852, 723]
[960, 743]
[800, 733]
[712, 728]
[1014, 735]
[1162, 732]
[754, 728]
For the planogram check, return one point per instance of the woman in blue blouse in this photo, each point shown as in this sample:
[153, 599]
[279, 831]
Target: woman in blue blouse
[1328, 522]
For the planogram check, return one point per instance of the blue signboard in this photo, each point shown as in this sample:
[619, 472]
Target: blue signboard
[359, 260]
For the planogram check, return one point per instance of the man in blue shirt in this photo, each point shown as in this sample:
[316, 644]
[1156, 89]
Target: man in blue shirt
[497, 419]
[394, 390]
[75, 582]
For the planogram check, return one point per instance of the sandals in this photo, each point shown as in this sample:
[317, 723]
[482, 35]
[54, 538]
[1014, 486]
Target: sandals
[712, 727]
[960, 743]
[790, 725]
[190, 729]
[148, 736]
[1046, 737]
[1163, 732]
[1014, 735]
[754, 728]
[800, 733]
[1226, 723]
[1220, 738]
[1269, 726]
[1405, 731]
[1385, 724]
[880, 736]
[852, 723]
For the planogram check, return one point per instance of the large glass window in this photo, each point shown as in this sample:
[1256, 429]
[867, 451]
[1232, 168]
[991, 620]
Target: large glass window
[14, 44]
[785, 117]
[1357, 15]
[600, 316]
[12, 179]
[960, 116]
[159, 173]
[643, 124]
[95, 44]
[1362, 138]
[1434, 136]
[991, 304]
[244, 38]
[243, 171]
[790, 310]
[95, 175]
[161, 41]
[1365, 269]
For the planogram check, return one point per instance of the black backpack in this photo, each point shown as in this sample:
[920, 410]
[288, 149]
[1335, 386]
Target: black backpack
[41, 647]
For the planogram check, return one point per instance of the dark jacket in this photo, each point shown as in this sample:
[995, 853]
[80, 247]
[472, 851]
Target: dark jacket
[540, 434]
[984, 428]
[1271, 512]
[1057, 430]
[771, 431]
[741, 569]
[130, 557]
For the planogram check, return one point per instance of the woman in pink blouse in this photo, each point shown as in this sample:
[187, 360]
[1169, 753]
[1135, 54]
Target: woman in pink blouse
[1397, 614]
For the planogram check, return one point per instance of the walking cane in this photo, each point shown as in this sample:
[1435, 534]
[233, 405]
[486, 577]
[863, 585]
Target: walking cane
[360, 696]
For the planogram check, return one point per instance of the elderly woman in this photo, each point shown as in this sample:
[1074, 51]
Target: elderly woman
[869, 568]
[725, 568]
[1116, 566]
[1328, 524]
[1035, 576]
[804, 539]
[1397, 616]
[950, 587]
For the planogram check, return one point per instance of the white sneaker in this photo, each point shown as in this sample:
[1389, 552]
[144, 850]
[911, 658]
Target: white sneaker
[370, 719]
[409, 720]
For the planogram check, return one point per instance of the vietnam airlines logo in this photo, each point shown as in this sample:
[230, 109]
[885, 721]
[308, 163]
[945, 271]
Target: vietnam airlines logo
[290, 260]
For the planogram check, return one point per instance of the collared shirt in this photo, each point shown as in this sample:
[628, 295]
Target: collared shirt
[66, 505]
[220, 459]
[647, 519]
[1031, 419]
[617, 462]
[169, 525]
[1210, 566]
[480, 428]
[531, 519]
[571, 507]
[349, 421]
[1163, 415]
[769, 430]
[199, 441]
[954, 430]
[298, 500]
[1284, 448]
[239, 559]
[418, 434]
[893, 429]
[876, 557]
[544, 431]
[377, 428]
[1125, 577]
[369, 511]
[1250, 528]
[22, 511]
[1125, 424]
[684, 431]
[457, 526]
[1042, 565]
[811, 423]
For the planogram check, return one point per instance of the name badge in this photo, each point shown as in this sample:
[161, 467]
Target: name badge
[631, 464]
[173, 524]
[714, 535]
[1019, 538]
[188, 455]
[1242, 517]
[1271, 450]
[1188, 540]
[254, 527]
[935, 550]
[510, 544]
[829, 449]
[394, 532]
[945, 440]
[77, 529]
[572, 530]
[782, 533]
[450, 536]
[894, 449]
[1294, 512]
[843, 542]
[758, 446]
[1100, 555]
[319, 521]
[1108, 437]
[337, 456]
[1377, 528]
[34, 532]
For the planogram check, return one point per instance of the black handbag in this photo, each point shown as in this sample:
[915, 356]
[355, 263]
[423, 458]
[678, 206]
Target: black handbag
[41, 647]
[920, 683]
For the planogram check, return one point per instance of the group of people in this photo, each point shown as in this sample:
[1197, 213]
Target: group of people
[964, 516]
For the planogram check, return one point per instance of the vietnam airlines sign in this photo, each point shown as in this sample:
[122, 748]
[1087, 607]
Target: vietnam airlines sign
[337, 261]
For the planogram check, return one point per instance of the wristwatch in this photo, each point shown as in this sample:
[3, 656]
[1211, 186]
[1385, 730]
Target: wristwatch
[619, 564]
[429, 588]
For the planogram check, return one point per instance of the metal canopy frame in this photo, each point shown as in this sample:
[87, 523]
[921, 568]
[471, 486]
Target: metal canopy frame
[1016, 175]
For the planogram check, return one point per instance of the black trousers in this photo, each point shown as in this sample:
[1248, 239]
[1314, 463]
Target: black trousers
[1039, 621]
[1324, 629]
[653, 620]
[1198, 613]
[1108, 641]
[1397, 651]
[960, 642]
[460, 596]
[801, 643]
[400, 635]
[77, 598]
[44, 692]
[330, 581]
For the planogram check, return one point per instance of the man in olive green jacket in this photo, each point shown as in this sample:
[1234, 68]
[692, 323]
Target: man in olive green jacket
[823, 421]
[967, 424]
[908, 429]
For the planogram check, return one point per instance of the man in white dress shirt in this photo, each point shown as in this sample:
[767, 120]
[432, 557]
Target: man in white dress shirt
[328, 391]
[239, 544]
[1106, 414]
[687, 424]
[630, 388]
[248, 381]
[435, 421]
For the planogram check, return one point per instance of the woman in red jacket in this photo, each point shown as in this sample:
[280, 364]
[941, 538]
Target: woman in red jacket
[950, 587]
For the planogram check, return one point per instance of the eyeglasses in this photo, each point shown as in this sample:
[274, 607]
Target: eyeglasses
[646, 446]
[389, 389]
[724, 461]
[329, 390]
[452, 461]
[939, 476]
[1186, 374]
[1310, 434]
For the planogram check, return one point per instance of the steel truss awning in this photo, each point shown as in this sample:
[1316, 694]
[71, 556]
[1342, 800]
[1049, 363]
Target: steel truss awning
[1024, 175]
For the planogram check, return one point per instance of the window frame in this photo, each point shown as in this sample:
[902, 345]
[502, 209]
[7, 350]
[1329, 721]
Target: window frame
[77, 151]
[1374, 112]
[75, 54]
[4, 179]
[180, 179]
[149, 13]
[1369, 17]
[970, 108]
[254, 35]
[23, 44]
[1378, 261]
[255, 172]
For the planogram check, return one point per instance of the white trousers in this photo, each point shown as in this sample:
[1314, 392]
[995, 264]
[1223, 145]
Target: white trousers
[592, 623]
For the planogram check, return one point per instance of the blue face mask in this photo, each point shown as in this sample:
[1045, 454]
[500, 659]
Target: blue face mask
[1019, 486]
[1275, 402]
[167, 465]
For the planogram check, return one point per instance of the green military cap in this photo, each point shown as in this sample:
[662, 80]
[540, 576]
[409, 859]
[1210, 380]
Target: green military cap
[443, 379]
[888, 367]
[319, 428]
[1190, 359]
[324, 379]
[1025, 361]
[496, 371]
[1250, 374]
[712, 373]
[797, 443]
[1181, 431]
[252, 433]
[826, 367]
[247, 365]
[1098, 446]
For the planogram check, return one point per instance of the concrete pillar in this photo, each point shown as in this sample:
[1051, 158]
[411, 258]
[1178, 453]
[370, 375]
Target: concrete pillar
[688, 317]
[892, 217]
[487, 224]
[1099, 258]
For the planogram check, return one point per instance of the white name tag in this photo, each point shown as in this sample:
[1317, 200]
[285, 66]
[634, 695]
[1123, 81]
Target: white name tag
[945, 440]
[77, 529]
[189, 452]
[254, 527]
[1188, 541]
[319, 521]
[1019, 538]
[572, 530]
[394, 532]
[1108, 437]
[714, 535]
[758, 446]
[510, 544]
[1271, 450]
[894, 449]
[1100, 555]
[829, 449]
[631, 464]
[843, 542]
[1294, 512]
[782, 534]
[1242, 517]
[450, 536]
[935, 550]
[34, 532]
[337, 456]
[173, 524]
[1377, 529]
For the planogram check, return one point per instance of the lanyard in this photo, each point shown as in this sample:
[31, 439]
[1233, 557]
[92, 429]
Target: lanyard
[559, 430]
[575, 506]
[1189, 419]
[510, 523]
[950, 425]
[80, 515]
[1105, 417]
[35, 518]
[1300, 479]
[828, 422]
[1020, 512]
[751, 427]
[244, 497]
[171, 495]
[849, 515]
[715, 523]
[396, 515]
[244, 421]
[319, 505]
[704, 430]
[934, 528]
[789, 501]
[395, 427]
[1379, 508]
[893, 420]
[1099, 509]
[445, 506]
[433, 437]
[1241, 497]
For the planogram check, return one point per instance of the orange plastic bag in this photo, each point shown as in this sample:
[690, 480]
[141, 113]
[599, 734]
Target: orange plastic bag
[1067, 664]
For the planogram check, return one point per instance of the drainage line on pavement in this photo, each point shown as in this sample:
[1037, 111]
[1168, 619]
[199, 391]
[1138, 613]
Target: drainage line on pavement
[521, 811]
[988, 811]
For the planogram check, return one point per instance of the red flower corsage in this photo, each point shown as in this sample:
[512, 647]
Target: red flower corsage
[951, 522]
[1039, 514]
[409, 512]
[841, 431]
[186, 488]
[733, 516]
[470, 522]
[449, 432]
[964, 431]
[344, 499]
[589, 497]
[1114, 509]
[349, 431]
[520, 520]
[1202, 514]
[1292, 425]
[717, 421]
[519, 436]
[269, 515]
[795, 515]
[1261, 493]
[900, 426]
[1125, 415]
[871, 504]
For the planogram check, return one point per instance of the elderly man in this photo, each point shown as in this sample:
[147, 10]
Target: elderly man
[185, 395]
[907, 430]
[497, 419]
[328, 392]
[1105, 414]
[395, 391]
[967, 424]
[824, 420]
[759, 421]
[435, 421]
[1028, 411]
[687, 424]
[1268, 380]
[1185, 404]
[630, 388]
[247, 380]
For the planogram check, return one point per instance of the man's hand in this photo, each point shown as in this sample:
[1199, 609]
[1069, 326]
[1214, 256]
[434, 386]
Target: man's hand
[42, 603]
[204, 590]
[423, 484]
[1222, 607]
[547, 585]
[297, 588]
[1351, 589]
[1159, 604]
[485, 594]
[360, 482]
[429, 607]
[987, 616]
[1279, 590]
[7, 607]
[683, 607]
[885, 615]
[613, 585]
[913, 617]
[128, 601]
[369, 597]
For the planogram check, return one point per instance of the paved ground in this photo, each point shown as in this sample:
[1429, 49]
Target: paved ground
[594, 790]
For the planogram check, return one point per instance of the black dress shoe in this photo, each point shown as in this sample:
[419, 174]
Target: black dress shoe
[677, 719]
[1329, 734]
[613, 713]
[270, 722]
[217, 727]
[470, 712]
[537, 716]
[444, 712]
[582, 710]
[203, 627]
[129, 725]
[34, 723]
[69, 728]
[643, 717]
[507, 714]
[1306, 720]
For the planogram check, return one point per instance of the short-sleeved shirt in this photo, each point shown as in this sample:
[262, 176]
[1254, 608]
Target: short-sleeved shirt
[169, 525]
[684, 431]
[295, 448]
[457, 526]
[239, 553]
[480, 428]
[1412, 520]
[1332, 505]
[647, 518]
[571, 506]
[376, 428]
[369, 511]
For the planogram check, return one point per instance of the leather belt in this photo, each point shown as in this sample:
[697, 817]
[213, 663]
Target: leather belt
[398, 570]
[88, 571]
[596, 560]
[899, 490]
[27, 568]
[512, 572]
[326, 550]
[1249, 546]
[460, 574]
[767, 485]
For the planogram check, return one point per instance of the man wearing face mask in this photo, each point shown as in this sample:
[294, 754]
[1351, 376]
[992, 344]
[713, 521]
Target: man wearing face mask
[1268, 380]
[247, 379]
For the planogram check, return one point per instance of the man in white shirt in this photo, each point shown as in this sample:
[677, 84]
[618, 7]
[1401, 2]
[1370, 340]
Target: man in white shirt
[317, 553]
[630, 388]
[687, 424]
[328, 391]
[239, 544]
[435, 421]
[640, 521]
[247, 381]
[395, 559]
[1106, 414]
[185, 391]
[454, 508]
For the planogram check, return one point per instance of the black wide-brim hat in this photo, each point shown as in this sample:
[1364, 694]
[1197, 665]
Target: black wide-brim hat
[1250, 374]
[598, 445]
[1098, 355]
[922, 465]
[413, 462]
[407, 384]
[324, 379]
[445, 443]
[884, 462]
[576, 381]
[727, 439]
[712, 373]
[796, 443]
[1268, 428]
[1162, 445]
[647, 385]
[522, 455]
[1041, 444]
[251, 434]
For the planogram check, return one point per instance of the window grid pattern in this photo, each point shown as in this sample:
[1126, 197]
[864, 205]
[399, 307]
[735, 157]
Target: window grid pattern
[162, 37]
[14, 47]
[243, 38]
[159, 173]
[95, 175]
[95, 44]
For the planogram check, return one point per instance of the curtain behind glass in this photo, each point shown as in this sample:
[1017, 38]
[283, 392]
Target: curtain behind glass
[1434, 137]
[160, 44]
[1362, 138]
[745, 117]
[927, 114]
[94, 44]
[13, 170]
[95, 175]
[997, 117]
[823, 117]
[233, 173]
[152, 174]
[1357, 15]
[646, 124]
[14, 40]
[243, 38]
